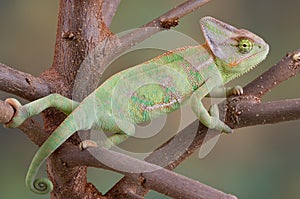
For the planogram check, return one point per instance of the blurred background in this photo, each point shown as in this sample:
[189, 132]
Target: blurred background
[254, 162]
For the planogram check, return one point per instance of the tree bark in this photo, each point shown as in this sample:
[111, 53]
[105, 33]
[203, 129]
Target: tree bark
[80, 28]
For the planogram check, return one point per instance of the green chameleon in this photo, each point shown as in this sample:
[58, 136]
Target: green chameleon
[148, 90]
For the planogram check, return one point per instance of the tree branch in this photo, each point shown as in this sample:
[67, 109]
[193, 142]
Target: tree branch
[80, 28]
[109, 9]
[158, 179]
[22, 84]
[163, 22]
[246, 113]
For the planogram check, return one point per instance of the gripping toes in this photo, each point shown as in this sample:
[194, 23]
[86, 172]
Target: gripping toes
[217, 124]
[20, 113]
[87, 144]
[237, 90]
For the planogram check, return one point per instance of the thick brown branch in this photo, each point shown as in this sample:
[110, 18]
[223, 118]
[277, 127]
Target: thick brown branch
[158, 179]
[80, 28]
[34, 131]
[22, 84]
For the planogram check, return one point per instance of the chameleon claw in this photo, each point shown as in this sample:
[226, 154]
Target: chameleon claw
[217, 124]
[237, 90]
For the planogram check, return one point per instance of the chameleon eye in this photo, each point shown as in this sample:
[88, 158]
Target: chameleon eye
[245, 45]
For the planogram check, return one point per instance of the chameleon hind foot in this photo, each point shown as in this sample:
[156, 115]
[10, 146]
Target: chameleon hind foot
[111, 141]
[87, 144]
[20, 114]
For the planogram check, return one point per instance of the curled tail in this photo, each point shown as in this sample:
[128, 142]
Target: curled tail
[57, 138]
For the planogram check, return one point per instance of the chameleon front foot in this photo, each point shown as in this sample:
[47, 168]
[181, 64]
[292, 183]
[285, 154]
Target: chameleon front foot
[236, 90]
[20, 113]
[216, 123]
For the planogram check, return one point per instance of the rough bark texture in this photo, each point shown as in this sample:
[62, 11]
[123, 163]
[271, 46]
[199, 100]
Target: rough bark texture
[16, 82]
[80, 28]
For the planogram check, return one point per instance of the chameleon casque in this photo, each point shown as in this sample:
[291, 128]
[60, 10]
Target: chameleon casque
[182, 76]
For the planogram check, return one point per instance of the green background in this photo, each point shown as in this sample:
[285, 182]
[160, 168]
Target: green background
[254, 162]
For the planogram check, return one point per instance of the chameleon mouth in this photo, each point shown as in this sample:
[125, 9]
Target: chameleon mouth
[253, 65]
[236, 63]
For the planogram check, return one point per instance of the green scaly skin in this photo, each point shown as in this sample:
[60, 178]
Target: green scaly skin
[156, 87]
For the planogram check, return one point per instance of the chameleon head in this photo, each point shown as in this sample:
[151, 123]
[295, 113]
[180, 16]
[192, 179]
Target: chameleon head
[236, 51]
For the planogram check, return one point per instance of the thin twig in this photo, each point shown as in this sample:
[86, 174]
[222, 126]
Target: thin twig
[156, 25]
[109, 9]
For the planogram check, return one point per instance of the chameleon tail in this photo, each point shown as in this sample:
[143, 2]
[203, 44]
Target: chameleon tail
[57, 138]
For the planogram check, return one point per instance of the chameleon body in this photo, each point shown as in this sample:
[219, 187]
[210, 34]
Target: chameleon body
[148, 90]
